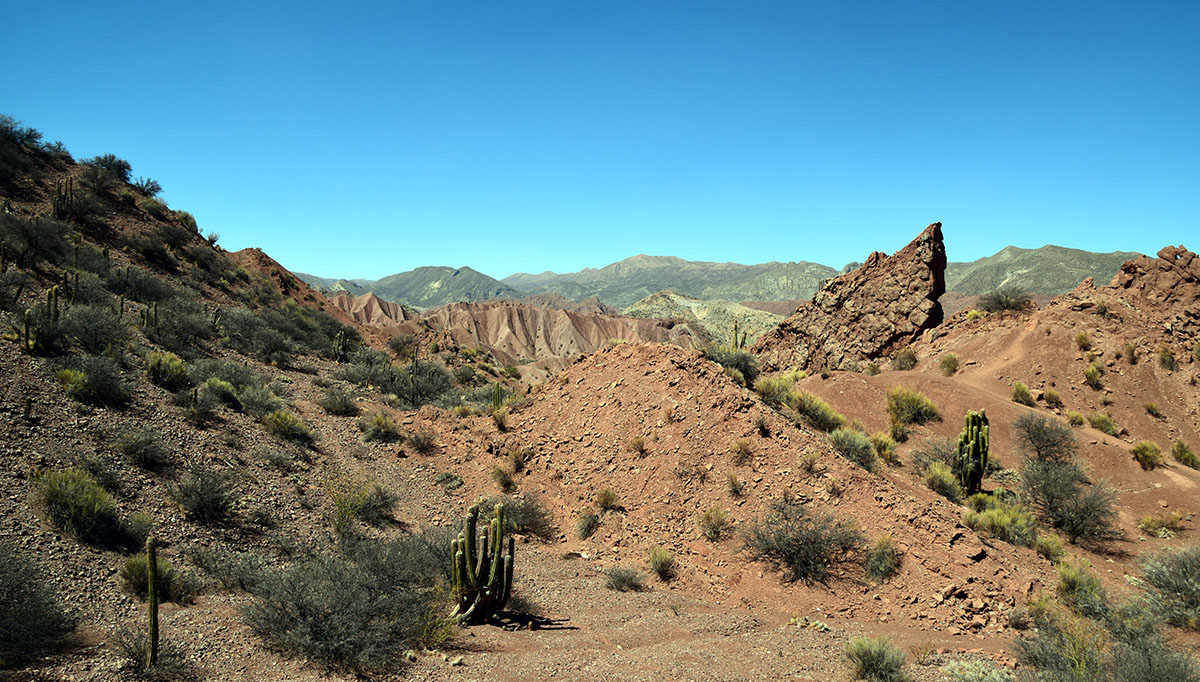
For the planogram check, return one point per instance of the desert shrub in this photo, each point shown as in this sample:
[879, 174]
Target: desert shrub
[1184, 454]
[199, 407]
[1076, 418]
[586, 524]
[1049, 547]
[1162, 525]
[941, 480]
[1065, 648]
[118, 167]
[1165, 359]
[377, 505]
[339, 403]
[1083, 513]
[449, 481]
[1044, 437]
[422, 440]
[170, 584]
[740, 360]
[249, 334]
[623, 579]
[204, 494]
[875, 660]
[740, 451]
[762, 426]
[143, 448]
[1052, 398]
[1103, 421]
[1021, 394]
[404, 346]
[1004, 299]
[882, 560]
[1153, 411]
[356, 611]
[816, 412]
[419, 383]
[1007, 521]
[885, 448]
[800, 544]
[1174, 588]
[240, 375]
[1082, 341]
[31, 613]
[94, 328]
[935, 449]
[78, 504]
[136, 284]
[524, 515]
[167, 370]
[181, 325]
[234, 571]
[286, 426]
[637, 445]
[1080, 589]
[904, 359]
[854, 446]
[258, 401]
[380, 427]
[908, 406]
[95, 380]
[976, 671]
[948, 364]
[713, 523]
[101, 469]
[503, 479]
[871, 369]
[30, 243]
[222, 391]
[1091, 376]
[662, 562]
[1147, 454]
[608, 500]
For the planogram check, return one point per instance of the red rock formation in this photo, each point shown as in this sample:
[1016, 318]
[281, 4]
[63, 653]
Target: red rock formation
[864, 314]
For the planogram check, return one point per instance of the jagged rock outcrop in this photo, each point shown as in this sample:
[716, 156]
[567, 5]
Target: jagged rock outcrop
[369, 309]
[864, 314]
[1170, 280]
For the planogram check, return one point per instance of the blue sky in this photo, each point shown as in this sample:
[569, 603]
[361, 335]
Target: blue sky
[366, 139]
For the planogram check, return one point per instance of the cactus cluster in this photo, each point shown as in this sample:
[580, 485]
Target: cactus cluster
[973, 451]
[482, 575]
[64, 199]
[737, 343]
[341, 346]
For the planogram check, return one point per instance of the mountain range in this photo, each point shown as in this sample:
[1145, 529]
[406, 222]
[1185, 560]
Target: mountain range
[1047, 270]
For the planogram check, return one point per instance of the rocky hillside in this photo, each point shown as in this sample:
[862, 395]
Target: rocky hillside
[1049, 270]
[625, 282]
[716, 317]
[424, 287]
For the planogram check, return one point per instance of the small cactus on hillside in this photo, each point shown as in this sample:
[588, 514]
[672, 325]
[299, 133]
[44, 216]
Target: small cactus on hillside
[973, 451]
[482, 576]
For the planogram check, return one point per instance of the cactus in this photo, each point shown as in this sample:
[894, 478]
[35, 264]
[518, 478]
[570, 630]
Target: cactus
[64, 199]
[341, 346]
[497, 397]
[482, 577]
[52, 303]
[27, 343]
[152, 605]
[973, 451]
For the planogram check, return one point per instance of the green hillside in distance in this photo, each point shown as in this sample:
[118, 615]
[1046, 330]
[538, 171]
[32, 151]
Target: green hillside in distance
[1048, 270]
[714, 316]
[630, 280]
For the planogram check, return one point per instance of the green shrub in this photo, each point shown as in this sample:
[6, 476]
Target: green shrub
[871, 369]
[32, 242]
[31, 614]
[503, 479]
[404, 346]
[204, 495]
[1021, 395]
[94, 328]
[1004, 299]
[95, 380]
[875, 659]
[1165, 359]
[775, 390]
[1065, 648]
[1083, 513]
[586, 525]
[941, 480]
[662, 562]
[524, 515]
[1172, 577]
[1184, 454]
[338, 403]
[713, 523]
[221, 391]
[1052, 398]
[1044, 437]
[1162, 525]
[1103, 421]
[377, 505]
[143, 448]
[78, 504]
[882, 560]
[1091, 376]
[1007, 521]
[1049, 547]
[623, 579]
[739, 360]
[1080, 589]
[854, 446]
[948, 364]
[816, 412]
[423, 441]
[287, 426]
[1147, 454]
[171, 585]
[885, 448]
[1153, 411]
[167, 370]
[904, 359]
[607, 500]
[802, 545]
[258, 401]
[1082, 341]
[908, 406]
[976, 671]
[380, 427]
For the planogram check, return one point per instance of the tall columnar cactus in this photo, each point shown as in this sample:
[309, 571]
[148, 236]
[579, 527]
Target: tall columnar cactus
[482, 576]
[63, 203]
[973, 451]
[152, 605]
[497, 397]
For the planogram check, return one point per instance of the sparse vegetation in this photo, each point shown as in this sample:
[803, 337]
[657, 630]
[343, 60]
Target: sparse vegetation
[78, 504]
[339, 403]
[1083, 342]
[95, 380]
[854, 446]
[741, 451]
[1080, 589]
[143, 448]
[1091, 376]
[875, 660]
[1049, 547]
[31, 615]
[524, 515]
[735, 484]
[1162, 525]
[941, 480]
[623, 579]
[662, 563]
[948, 364]
[608, 500]
[380, 427]
[816, 412]
[1103, 421]
[169, 583]
[1003, 520]
[976, 671]
[586, 524]
[871, 369]
[762, 427]
[1147, 454]
[885, 448]
[286, 426]
[1165, 359]
[424, 441]
[637, 445]
[503, 479]
[205, 495]
[904, 359]
[1055, 485]
[1184, 454]
[1076, 418]
[1021, 394]
[882, 560]
[908, 406]
[1153, 411]
[1171, 575]
[713, 523]
[1052, 398]
[804, 546]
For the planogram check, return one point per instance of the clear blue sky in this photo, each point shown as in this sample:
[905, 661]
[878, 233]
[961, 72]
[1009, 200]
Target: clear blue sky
[358, 139]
